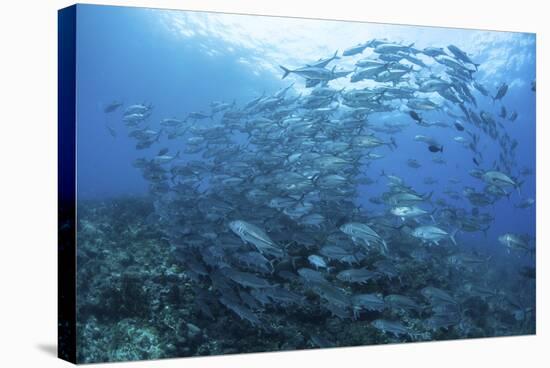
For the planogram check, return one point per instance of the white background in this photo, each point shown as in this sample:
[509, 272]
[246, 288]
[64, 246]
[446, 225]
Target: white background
[28, 185]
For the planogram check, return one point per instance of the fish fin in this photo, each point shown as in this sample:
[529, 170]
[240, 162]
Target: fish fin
[287, 71]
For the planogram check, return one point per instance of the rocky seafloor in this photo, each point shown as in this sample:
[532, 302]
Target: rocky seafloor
[134, 301]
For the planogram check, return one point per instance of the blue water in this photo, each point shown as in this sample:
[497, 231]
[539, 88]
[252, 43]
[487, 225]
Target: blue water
[127, 57]
[179, 62]
[127, 54]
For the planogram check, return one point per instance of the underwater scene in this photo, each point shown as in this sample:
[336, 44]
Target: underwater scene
[250, 183]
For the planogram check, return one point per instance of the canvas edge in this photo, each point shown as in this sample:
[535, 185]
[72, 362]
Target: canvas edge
[66, 261]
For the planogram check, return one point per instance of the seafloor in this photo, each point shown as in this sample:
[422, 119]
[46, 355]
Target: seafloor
[134, 301]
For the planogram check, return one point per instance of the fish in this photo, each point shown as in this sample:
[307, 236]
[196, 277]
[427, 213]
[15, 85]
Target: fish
[309, 72]
[501, 92]
[357, 49]
[140, 109]
[396, 301]
[461, 55]
[407, 212]
[393, 48]
[369, 302]
[500, 179]
[311, 276]
[171, 122]
[317, 261]
[271, 206]
[198, 116]
[525, 203]
[252, 234]
[357, 275]
[438, 296]
[393, 327]
[432, 234]
[434, 51]
[435, 148]
[247, 279]
[514, 242]
[321, 63]
[363, 233]
[112, 106]
[416, 117]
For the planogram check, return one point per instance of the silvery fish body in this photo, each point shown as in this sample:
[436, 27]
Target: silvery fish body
[252, 234]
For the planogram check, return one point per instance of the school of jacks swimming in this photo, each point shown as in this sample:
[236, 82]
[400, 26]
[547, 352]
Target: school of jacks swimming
[260, 202]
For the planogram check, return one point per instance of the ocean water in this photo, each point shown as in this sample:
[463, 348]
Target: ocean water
[206, 182]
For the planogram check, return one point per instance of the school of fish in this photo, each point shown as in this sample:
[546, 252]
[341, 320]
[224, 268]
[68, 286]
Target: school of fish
[261, 202]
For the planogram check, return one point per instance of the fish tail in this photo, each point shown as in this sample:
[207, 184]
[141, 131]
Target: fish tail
[452, 236]
[385, 247]
[428, 197]
[432, 214]
[287, 71]
[315, 178]
[518, 187]
[393, 143]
